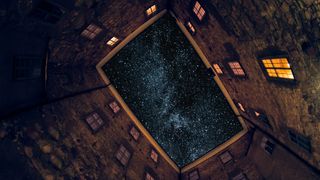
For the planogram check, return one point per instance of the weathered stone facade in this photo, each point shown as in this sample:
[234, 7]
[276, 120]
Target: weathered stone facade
[56, 143]
[251, 27]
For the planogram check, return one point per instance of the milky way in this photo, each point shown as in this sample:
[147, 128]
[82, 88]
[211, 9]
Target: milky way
[167, 86]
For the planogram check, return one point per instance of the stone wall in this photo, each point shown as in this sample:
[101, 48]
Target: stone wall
[253, 26]
[58, 143]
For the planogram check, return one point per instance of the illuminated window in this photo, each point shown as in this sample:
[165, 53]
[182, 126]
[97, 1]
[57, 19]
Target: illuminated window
[278, 68]
[149, 176]
[198, 10]
[151, 10]
[123, 155]
[300, 140]
[236, 68]
[267, 145]
[191, 28]
[112, 41]
[134, 133]
[91, 31]
[194, 175]
[217, 69]
[114, 107]
[225, 157]
[94, 121]
[154, 156]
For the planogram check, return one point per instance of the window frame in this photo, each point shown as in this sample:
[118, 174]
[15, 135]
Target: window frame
[227, 162]
[194, 15]
[193, 171]
[152, 12]
[186, 24]
[220, 68]
[128, 150]
[276, 79]
[265, 145]
[84, 28]
[156, 152]
[129, 131]
[230, 70]
[112, 101]
[114, 42]
[102, 117]
[148, 170]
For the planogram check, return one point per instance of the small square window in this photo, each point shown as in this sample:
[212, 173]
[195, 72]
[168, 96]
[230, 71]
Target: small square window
[217, 69]
[123, 155]
[151, 10]
[112, 41]
[198, 10]
[236, 68]
[225, 157]
[154, 156]
[278, 68]
[94, 121]
[134, 133]
[114, 107]
[191, 28]
[194, 175]
[267, 145]
[149, 176]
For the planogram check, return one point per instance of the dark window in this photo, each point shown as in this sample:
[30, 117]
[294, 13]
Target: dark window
[194, 175]
[225, 157]
[94, 121]
[123, 155]
[27, 68]
[91, 31]
[47, 12]
[267, 145]
[149, 174]
[237, 175]
[300, 140]
[263, 118]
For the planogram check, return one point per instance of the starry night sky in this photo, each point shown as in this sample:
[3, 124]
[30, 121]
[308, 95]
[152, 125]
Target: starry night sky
[166, 85]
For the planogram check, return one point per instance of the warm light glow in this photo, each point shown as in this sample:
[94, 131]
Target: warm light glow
[112, 41]
[241, 107]
[191, 27]
[91, 31]
[217, 69]
[151, 10]
[199, 11]
[278, 68]
[236, 68]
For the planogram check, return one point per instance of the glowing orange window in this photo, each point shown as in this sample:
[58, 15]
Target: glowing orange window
[236, 68]
[151, 10]
[278, 68]
[198, 10]
[217, 69]
[191, 27]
